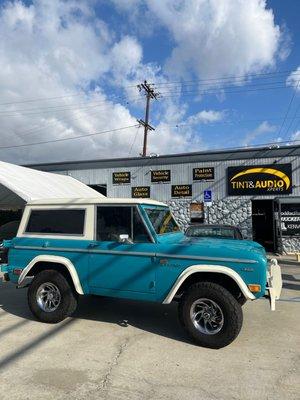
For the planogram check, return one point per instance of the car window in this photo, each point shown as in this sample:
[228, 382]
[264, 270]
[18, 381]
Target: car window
[207, 231]
[65, 222]
[162, 220]
[113, 221]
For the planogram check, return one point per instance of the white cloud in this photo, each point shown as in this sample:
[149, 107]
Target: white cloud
[264, 128]
[218, 38]
[205, 117]
[296, 136]
[54, 49]
[294, 79]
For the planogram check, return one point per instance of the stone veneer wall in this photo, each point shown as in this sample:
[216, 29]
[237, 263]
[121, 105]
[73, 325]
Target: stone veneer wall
[229, 211]
[290, 245]
[235, 212]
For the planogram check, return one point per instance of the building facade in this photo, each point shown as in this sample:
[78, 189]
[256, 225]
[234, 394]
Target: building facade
[257, 189]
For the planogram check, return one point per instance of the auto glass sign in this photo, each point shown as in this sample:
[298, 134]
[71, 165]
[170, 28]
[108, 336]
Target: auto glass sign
[140, 192]
[259, 179]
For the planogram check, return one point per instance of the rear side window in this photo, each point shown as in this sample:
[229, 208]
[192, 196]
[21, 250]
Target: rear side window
[65, 222]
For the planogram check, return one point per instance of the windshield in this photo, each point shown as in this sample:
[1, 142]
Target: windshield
[206, 231]
[162, 220]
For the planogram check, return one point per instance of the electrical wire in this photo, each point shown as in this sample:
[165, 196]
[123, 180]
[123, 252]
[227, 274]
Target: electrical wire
[70, 138]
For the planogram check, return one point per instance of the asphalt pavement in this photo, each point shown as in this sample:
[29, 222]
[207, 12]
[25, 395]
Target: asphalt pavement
[117, 349]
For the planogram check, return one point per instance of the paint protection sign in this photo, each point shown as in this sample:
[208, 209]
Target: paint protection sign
[268, 179]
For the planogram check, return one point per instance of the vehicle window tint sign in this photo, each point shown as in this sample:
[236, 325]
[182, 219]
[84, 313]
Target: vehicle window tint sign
[140, 192]
[204, 174]
[182, 191]
[161, 176]
[290, 219]
[259, 179]
[121, 177]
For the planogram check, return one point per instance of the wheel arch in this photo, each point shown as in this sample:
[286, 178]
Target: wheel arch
[58, 263]
[222, 275]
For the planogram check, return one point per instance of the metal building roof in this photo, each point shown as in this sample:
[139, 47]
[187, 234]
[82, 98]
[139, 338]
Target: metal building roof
[203, 156]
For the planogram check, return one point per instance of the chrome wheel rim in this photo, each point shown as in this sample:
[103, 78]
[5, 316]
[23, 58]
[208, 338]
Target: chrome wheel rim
[48, 297]
[207, 316]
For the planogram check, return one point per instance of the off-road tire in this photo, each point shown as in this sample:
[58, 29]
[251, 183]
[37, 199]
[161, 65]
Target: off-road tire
[231, 309]
[68, 303]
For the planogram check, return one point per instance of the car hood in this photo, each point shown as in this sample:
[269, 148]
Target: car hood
[213, 246]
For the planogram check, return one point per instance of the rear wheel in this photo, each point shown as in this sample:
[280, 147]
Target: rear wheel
[210, 315]
[50, 297]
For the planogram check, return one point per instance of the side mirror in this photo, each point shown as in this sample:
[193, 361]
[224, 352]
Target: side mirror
[124, 238]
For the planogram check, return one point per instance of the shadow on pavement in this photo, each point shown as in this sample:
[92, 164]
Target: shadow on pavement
[151, 317]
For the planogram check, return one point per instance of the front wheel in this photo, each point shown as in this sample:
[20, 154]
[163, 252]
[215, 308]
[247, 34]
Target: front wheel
[50, 297]
[210, 315]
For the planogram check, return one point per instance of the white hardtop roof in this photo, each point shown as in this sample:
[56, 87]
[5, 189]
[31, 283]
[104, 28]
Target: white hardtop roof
[103, 200]
[19, 184]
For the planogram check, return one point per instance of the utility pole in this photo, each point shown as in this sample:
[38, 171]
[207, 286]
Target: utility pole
[150, 94]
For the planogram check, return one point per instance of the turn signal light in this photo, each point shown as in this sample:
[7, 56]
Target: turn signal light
[254, 288]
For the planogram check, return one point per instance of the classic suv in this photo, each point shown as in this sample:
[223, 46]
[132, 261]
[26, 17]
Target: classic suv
[134, 249]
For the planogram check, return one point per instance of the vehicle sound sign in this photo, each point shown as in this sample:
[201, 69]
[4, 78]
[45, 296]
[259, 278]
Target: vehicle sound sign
[259, 179]
[121, 177]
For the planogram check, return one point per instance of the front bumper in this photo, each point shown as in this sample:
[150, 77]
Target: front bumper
[274, 282]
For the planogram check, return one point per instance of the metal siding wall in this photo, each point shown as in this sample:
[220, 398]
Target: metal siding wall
[180, 174]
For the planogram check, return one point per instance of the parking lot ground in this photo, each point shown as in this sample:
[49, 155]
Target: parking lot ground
[115, 349]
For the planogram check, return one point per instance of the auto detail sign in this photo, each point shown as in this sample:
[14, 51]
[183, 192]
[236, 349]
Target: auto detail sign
[182, 191]
[121, 177]
[259, 179]
[160, 176]
[140, 192]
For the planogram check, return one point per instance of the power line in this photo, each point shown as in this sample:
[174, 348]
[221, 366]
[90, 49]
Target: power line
[70, 138]
[289, 107]
[221, 79]
[134, 140]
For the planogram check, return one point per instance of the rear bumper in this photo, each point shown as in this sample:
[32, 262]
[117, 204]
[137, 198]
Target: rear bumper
[274, 282]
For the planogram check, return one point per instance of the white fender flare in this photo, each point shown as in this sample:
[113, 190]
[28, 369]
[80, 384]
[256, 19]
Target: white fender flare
[218, 269]
[53, 259]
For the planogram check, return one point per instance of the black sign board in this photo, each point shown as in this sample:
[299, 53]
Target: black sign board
[121, 177]
[140, 192]
[290, 219]
[259, 179]
[203, 174]
[160, 176]
[182, 191]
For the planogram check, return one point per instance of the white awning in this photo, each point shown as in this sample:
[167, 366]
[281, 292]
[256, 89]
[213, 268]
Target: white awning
[19, 184]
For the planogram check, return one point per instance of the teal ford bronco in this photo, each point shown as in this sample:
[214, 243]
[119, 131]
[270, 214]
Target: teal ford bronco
[133, 249]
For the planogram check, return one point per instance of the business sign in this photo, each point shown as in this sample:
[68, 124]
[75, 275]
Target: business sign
[182, 191]
[140, 192]
[161, 176]
[259, 179]
[197, 211]
[207, 195]
[204, 174]
[290, 219]
[121, 177]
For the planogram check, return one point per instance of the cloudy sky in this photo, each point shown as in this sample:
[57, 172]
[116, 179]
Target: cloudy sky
[227, 72]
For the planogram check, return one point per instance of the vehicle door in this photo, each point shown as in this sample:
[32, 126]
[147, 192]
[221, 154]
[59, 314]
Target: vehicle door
[118, 267]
